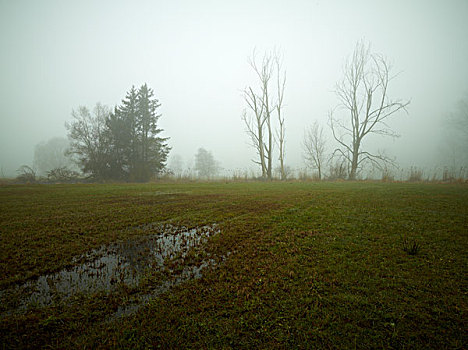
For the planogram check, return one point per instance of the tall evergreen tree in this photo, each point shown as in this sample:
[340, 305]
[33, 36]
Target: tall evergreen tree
[120, 144]
[153, 150]
[122, 125]
[123, 144]
[137, 150]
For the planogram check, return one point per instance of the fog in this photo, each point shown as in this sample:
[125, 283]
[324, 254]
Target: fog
[58, 55]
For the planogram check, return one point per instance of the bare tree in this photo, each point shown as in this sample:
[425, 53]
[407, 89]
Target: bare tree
[205, 164]
[459, 119]
[455, 145]
[176, 165]
[52, 155]
[280, 133]
[313, 146]
[255, 126]
[262, 104]
[89, 144]
[363, 94]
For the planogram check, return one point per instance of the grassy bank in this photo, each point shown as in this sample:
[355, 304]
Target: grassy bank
[312, 265]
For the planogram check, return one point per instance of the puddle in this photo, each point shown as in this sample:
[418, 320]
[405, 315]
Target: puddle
[163, 193]
[107, 268]
[188, 273]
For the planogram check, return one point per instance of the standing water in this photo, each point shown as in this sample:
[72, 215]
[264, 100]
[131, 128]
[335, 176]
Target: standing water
[106, 268]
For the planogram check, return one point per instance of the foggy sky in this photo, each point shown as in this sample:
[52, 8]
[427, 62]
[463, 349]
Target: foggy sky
[57, 55]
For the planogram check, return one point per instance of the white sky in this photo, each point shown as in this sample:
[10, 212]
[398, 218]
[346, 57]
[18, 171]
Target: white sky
[57, 55]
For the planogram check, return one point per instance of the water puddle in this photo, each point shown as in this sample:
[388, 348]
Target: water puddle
[188, 273]
[114, 265]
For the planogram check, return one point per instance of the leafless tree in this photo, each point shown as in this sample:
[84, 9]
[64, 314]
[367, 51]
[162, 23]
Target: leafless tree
[262, 104]
[363, 94]
[255, 126]
[88, 139]
[176, 165]
[205, 164]
[313, 146]
[454, 147]
[51, 154]
[458, 122]
[459, 119]
[281, 131]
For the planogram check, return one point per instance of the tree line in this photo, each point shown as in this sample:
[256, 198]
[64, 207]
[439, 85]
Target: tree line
[125, 144]
[364, 108]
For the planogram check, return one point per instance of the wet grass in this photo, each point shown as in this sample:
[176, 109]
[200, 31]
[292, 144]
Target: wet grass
[312, 265]
[160, 248]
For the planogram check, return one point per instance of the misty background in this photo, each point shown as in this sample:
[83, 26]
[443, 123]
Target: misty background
[58, 55]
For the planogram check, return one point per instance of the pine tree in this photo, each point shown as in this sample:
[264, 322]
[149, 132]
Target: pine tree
[153, 149]
[137, 151]
[121, 127]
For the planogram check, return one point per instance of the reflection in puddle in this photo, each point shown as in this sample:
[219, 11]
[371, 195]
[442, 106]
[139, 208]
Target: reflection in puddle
[188, 273]
[106, 268]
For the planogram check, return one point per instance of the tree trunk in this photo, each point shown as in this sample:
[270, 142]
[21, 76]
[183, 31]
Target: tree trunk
[270, 148]
[261, 151]
[354, 162]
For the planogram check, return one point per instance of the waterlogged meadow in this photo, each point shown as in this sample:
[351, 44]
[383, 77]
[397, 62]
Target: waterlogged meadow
[234, 265]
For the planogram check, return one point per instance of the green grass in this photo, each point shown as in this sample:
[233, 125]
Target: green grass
[314, 265]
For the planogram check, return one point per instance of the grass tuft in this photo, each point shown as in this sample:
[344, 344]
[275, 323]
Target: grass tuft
[411, 247]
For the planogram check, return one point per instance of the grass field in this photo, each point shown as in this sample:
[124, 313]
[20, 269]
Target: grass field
[311, 265]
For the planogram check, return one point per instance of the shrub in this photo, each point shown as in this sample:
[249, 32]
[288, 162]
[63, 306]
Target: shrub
[62, 174]
[338, 170]
[26, 174]
[387, 176]
[416, 175]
